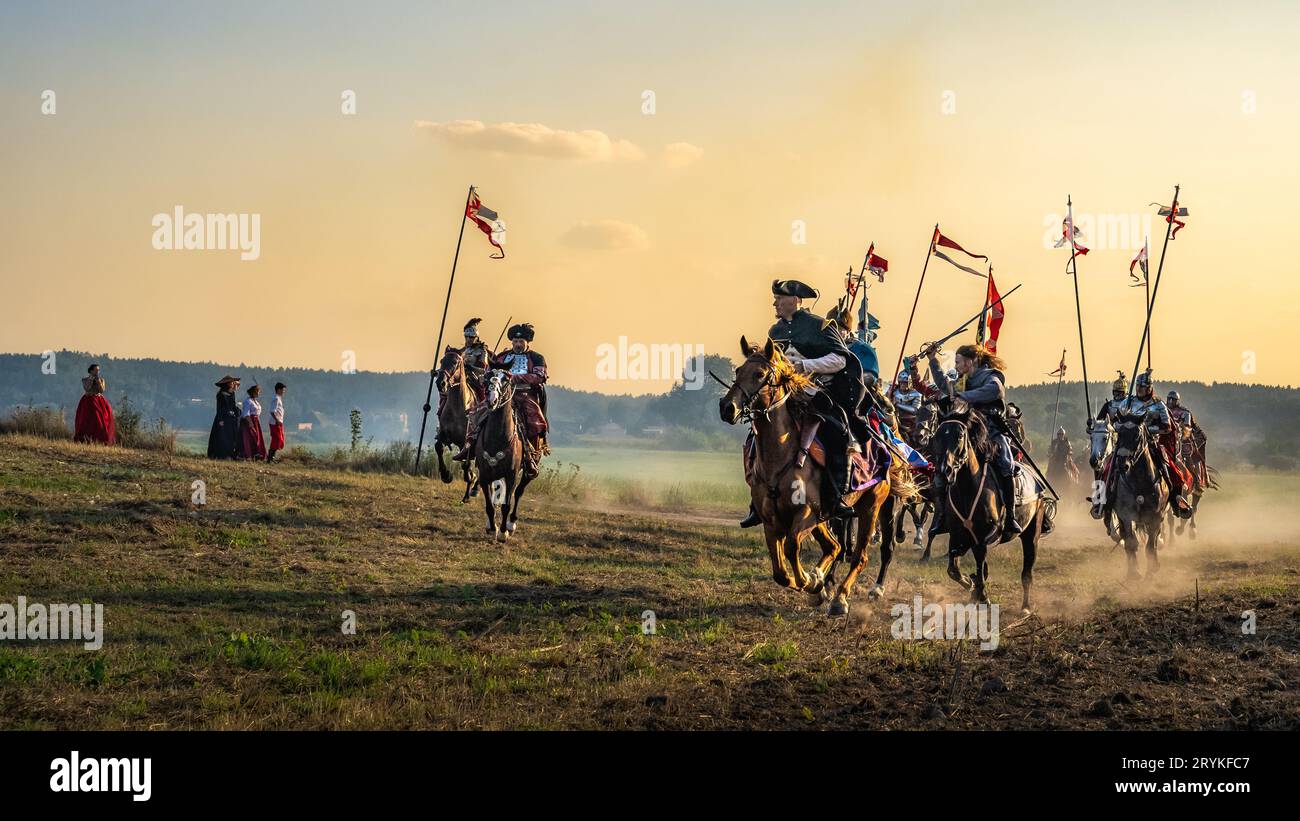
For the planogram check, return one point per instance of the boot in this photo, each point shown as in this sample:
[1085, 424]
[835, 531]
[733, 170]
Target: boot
[464, 454]
[751, 520]
[1010, 528]
[840, 479]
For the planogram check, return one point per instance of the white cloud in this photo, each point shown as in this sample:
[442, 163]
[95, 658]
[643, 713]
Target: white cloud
[680, 155]
[534, 139]
[606, 235]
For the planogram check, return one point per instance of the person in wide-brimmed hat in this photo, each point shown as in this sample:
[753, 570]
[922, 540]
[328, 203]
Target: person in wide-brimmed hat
[224, 442]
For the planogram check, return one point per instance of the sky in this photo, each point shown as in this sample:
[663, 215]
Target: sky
[861, 122]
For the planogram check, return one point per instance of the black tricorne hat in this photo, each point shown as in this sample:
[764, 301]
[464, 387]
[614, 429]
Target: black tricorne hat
[523, 330]
[793, 287]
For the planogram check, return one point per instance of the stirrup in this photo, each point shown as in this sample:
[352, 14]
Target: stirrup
[752, 519]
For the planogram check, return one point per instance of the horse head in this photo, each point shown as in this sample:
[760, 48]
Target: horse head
[951, 446]
[760, 381]
[500, 390]
[451, 370]
[1130, 442]
[1102, 437]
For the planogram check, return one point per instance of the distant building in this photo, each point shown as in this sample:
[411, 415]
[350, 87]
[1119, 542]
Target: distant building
[304, 426]
[653, 431]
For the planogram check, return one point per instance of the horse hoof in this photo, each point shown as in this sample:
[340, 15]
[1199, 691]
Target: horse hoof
[505, 535]
[839, 607]
[875, 592]
[816, 581]
[979, 597]
[510, 526]
[1025, 612]
[1096, 513]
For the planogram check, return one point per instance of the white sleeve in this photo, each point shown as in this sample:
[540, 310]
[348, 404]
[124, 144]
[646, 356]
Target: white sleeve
[830, 363]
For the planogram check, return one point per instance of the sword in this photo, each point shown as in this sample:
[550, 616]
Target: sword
[503, 333]
[1011, 434]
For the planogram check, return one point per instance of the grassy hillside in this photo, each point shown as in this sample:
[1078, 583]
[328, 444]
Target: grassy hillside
[229, 615]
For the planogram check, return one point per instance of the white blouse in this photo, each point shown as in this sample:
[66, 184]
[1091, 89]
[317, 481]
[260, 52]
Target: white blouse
[277, 409]
[251, 408]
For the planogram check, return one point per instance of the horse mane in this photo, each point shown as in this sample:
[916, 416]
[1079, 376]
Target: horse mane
[783, 371]
[980, 438]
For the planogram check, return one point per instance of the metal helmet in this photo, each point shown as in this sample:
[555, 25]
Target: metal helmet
[904, 378]
[1120, 385]
[1174, 397]
[1143, 381]
[1060, 433]
[952, 374]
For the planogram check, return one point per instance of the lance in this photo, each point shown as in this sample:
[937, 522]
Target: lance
[1011, 434]
[502, 334]
[1078, 311]
[1146, 328]
[1059, 380]
[437, 351]
[1146, 281]
[903, 348]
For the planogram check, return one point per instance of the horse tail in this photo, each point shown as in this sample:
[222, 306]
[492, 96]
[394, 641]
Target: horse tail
[902, 486]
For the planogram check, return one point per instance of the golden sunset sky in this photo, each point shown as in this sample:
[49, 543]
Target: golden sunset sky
[867, 121]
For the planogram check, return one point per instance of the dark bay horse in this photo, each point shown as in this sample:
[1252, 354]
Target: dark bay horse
[963, 456]
[1140, 497]
[1102, 438]
[453, 416]
[787, 490]
[500, 456]
[920, 508]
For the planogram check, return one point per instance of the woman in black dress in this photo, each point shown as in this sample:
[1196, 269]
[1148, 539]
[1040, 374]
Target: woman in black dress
[223, 442]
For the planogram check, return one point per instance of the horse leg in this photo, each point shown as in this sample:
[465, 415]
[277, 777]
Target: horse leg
[799, 579]
[1029, 544]
[506, 499]
[956, 548]
[830, 552]
[920, 527]
[1153, 540]
[978, 593]
[491, 512]
[883, 507]
[857, 560]
[514, 508]
[1196, 503]
[1128, 532]
[776, 551]
[443, 473]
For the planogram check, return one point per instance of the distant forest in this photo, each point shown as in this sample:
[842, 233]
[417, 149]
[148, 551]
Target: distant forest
[1248, 425]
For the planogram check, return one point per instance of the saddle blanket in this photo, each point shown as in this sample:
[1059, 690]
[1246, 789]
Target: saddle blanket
[868, 469]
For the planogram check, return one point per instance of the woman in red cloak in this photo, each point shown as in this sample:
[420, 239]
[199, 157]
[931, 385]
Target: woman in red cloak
[94, 415]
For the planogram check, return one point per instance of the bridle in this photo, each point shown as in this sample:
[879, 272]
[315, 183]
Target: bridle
[749, 409]
[968, 519]
[505, 390]
[456, 372]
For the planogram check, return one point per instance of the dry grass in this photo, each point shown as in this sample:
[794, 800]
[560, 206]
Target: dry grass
[229, 616]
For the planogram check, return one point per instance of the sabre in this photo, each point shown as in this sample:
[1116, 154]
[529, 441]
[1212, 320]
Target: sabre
[1011, 434]
[965, 326]
[503, 333]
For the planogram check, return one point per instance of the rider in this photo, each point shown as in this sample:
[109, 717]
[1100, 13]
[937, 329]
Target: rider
[477, 358]
[986, 392]
[1142, 403]
[527, 370]
[1118, 393]
[1061, 452]
[814, 346]
[1188, 430]
[907, 402]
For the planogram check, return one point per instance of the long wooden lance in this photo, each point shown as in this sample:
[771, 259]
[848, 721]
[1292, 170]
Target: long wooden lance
[902, 349]
[437, 351]
[1155, 291]
[502, 334]
[1078, 311]
[1059, 380]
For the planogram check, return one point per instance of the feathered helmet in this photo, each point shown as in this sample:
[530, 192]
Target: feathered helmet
[1120, 385]
[523, 330]
[471, 328]
[841, 315]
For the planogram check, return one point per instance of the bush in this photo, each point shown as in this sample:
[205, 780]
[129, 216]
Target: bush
[37, 421]
[133, 432]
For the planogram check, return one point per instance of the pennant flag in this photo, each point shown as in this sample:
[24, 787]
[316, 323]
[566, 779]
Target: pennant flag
[914, 457]
[940, 239]
[995, 312]
[1060, 369]
[1070, 233]
[1140, 260]
[1169, 213]
[488, 222]
[877, 265]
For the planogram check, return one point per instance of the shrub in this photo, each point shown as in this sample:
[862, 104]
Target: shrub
[36, 421]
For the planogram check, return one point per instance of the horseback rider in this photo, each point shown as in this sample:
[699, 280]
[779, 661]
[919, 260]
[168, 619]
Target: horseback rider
[907, 402]
[1118, 393]
[477, 358]
[985, 391]
[814, 347]
[1060, 456]
[1189, 435]
[527, 369]
[1141, 405]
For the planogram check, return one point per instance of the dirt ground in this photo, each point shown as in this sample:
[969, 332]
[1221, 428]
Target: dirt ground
[228, 614]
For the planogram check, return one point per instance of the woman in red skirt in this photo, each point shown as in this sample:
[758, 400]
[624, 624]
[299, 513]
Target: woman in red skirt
[94, 415]
[250, 425]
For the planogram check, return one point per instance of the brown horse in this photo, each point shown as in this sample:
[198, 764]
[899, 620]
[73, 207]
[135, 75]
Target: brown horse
[786, 490]
[453, 417]
[500, 456]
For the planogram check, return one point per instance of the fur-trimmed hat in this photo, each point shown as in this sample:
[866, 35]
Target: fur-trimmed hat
[793, 287]
[523, 330]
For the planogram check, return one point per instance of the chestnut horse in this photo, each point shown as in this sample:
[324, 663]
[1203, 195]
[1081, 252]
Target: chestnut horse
[769, 393]
[453, 417]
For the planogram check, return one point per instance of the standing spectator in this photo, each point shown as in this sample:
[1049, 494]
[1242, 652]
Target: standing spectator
[94, 421]
[250, 424]
[277, 422]
[223, 442]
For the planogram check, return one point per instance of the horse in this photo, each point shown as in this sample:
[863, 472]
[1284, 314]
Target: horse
[1192, 454]
[963, 455]
[1141, 495]
[1102, 437]
[453, 417]
[919, 509]
[786, 487]
[500, 456]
